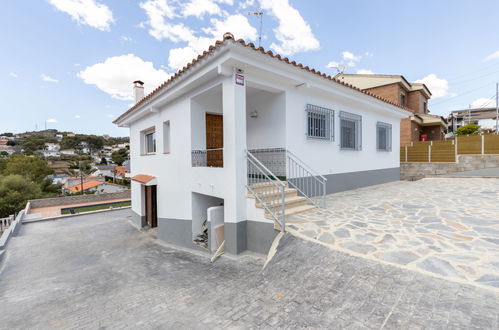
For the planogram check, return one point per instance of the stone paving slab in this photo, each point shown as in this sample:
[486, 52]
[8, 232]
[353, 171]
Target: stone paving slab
[98, 272]
[448, 227]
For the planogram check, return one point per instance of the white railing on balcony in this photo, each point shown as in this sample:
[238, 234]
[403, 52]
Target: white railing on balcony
[5, 223]
[287, 166]
[207, 157]
[267, 188]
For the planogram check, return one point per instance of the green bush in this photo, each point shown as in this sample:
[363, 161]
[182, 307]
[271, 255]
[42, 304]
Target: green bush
[468, 129]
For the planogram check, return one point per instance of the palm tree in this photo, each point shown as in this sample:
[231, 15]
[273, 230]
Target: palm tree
[81, 167]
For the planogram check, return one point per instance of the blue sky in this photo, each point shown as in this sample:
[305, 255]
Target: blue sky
[70, 63]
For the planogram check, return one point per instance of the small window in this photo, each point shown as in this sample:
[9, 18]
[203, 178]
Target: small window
[425, 107]
[402, 99]
[320, 123]
[383, 136]
[149, 142]
[166, 137]
[351, 131]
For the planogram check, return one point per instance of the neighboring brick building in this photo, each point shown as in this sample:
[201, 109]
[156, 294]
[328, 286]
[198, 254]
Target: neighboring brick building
[415, 96]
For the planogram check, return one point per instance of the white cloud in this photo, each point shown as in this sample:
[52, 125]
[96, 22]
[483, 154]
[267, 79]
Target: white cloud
[125, 38]
[364, 71]
[88, 12]
[109, 116]
[350, 58]
[293, 32]
[46, 78]
[51, 120]
[115, 75]
[237, 24]
[199, 8]
[158, 11]
[483, 102]
[246, 4]
[438, 87]
[333, 64]
[13, 75]
[77, 116]
[492, 56]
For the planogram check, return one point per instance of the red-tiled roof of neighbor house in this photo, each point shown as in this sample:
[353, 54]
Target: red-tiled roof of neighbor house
[120, 170]
[218, 44]
[143, 178]
[86, 185]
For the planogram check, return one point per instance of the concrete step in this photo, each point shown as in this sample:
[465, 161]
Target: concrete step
[274, 193]
[289, 201]
[262, 187]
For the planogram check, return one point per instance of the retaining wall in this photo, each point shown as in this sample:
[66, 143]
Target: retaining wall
[77, 199]
[414, 170]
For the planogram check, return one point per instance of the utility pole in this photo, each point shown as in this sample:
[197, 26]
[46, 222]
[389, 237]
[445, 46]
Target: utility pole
[469, 113]
[497, 108]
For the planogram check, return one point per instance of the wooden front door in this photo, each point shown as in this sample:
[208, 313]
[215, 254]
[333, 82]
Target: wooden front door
[151, 209]
[214, 140]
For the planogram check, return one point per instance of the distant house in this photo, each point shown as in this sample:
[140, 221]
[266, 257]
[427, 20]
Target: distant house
[73, 180]
[119, 172]
[105, 170]
[52, 146]
[3, 142]
[49, 153]
[94, 185]
[71, 134]
[421, 125]
[59, 137]
[68, 152]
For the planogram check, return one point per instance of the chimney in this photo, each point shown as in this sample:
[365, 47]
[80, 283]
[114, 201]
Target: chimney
[138, 90]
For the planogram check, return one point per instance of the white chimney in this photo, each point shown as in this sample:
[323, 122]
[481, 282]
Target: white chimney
[138, 90]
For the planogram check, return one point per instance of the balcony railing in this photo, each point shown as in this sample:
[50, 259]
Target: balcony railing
[208, 158]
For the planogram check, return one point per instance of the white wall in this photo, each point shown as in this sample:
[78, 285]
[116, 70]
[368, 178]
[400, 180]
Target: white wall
[326, 157]
[268, 130]
[200, 205]
[215, 218]
[209, 102]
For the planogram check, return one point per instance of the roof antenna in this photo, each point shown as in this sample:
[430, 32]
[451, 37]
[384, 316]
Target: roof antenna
[258, 14]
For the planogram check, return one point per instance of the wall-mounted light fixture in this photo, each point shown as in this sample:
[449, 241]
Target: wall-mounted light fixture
[254, 114]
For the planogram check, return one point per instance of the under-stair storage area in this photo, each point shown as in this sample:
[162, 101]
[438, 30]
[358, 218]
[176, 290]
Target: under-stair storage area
[205, 207]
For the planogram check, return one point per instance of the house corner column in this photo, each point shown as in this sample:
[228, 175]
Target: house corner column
[235, 165]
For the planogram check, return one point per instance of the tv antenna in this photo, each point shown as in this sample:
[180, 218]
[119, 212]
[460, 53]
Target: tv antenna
[258, 14]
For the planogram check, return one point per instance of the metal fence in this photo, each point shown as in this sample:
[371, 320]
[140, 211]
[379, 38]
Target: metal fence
[447, 150]
[207, 158]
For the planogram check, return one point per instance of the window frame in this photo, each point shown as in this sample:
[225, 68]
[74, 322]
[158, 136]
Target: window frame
[402, 99]
[357, 120]
[325, 125]
[145, 144]
[388, 136]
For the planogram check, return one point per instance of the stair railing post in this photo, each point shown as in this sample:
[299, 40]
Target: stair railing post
[283, 219]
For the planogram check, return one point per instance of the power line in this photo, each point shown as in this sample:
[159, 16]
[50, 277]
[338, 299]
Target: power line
[459, 95]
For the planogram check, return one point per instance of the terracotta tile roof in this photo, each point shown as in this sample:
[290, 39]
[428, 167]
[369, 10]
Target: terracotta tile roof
[86, 185]
[120, 170]
[143, 178]
[228, 36]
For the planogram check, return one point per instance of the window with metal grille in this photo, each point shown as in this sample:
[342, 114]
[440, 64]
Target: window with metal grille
[320, 123]
[351, 131]
[383, 136]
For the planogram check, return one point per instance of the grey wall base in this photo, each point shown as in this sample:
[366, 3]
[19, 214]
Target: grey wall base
[138, 221]
[353, 180]
[176, 232]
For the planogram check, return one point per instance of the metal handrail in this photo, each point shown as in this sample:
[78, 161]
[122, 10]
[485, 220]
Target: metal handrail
[305, 165]
[259, 174]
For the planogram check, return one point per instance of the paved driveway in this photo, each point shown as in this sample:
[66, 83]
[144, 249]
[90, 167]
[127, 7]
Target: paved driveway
[448, 227]
[98, 272]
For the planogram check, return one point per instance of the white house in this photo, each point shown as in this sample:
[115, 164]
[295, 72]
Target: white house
[49, 146]
[218, 140]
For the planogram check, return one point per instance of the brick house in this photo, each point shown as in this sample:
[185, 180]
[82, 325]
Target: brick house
[395, 88]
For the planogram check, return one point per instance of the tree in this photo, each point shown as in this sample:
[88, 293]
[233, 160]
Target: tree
[468, 129]
[81, 167]
[32, 168]
[33, 143]
[11, 143]
[103, 161]
[118, 157]
[15, 191]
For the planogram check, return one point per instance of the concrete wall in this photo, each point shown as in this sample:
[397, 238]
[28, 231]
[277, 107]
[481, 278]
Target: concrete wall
[56, 201]
[410, 171]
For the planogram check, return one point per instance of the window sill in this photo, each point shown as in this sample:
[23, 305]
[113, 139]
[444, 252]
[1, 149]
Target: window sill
[149, 154]
[350, 149]
[166, 153]
[382, 150]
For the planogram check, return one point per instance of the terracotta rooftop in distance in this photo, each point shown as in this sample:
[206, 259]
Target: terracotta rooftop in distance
[229, 37]
[86, 185]
[143, 178]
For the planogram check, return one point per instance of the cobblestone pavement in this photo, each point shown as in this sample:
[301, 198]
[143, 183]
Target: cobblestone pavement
[448, 227]
[97, 271]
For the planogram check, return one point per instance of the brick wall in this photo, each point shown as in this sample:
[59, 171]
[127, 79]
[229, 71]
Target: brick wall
[390, 92]
[434, 133]
[415, 101]
[56, 201]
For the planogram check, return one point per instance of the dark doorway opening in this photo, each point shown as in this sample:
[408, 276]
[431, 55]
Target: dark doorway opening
[151, 206]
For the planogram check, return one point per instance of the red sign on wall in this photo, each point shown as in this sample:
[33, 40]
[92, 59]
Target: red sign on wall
[239, 79]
